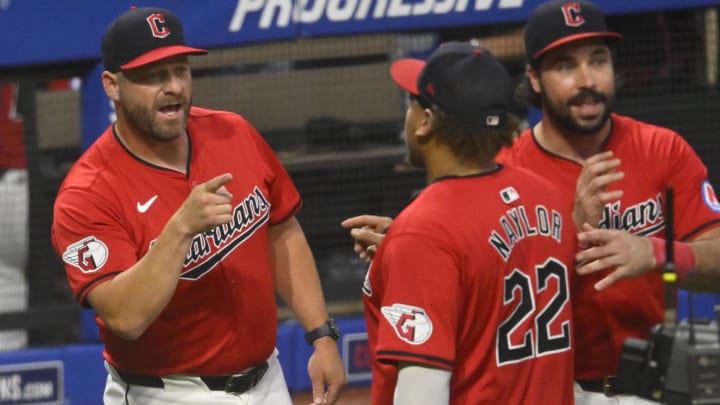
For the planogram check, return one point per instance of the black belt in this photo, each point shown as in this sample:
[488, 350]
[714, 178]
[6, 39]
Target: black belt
[236, 383]
[606, 385]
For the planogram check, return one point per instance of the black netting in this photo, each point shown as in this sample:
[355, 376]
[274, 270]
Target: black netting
[330, 110]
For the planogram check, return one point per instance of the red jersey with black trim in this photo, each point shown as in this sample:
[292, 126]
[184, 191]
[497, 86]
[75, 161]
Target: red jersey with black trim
[653, 159]
[110, 208]
[473, 277]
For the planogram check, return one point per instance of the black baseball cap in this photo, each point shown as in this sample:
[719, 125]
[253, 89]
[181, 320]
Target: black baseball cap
[559, 22]
[141, 36]
[462, 79]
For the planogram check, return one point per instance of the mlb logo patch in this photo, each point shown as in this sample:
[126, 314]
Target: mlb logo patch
[492, 120]
[709, 197]
[509, 194]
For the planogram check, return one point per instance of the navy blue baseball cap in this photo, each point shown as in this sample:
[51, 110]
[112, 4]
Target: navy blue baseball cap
[559, 22]
[463, 80]
[141, 36]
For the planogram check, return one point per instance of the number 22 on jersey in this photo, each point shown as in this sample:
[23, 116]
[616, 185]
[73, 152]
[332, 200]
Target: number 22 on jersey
[535, 326]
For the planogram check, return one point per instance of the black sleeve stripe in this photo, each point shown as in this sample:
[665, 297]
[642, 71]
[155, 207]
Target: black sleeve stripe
[87, 286]
[292, 213]
[414, 356]
[698, 230]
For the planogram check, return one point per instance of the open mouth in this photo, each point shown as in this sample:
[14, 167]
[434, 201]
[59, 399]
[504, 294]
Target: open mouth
[589, 109]
[588, 103]
[171, 110]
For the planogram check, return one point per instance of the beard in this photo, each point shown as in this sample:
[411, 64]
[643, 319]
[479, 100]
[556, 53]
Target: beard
[560, 112]
[414, 159]
[412, 156]
[145, 120]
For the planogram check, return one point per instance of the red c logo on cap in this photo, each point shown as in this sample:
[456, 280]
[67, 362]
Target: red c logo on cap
[571, 13]
[157, 25]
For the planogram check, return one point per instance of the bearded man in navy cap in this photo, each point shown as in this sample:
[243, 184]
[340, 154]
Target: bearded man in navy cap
[177, 226]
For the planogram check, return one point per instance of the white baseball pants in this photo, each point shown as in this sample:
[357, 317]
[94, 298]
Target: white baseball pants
[187, 390]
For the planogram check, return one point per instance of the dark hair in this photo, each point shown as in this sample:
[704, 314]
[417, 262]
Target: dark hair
[473, 143]
[424, 103]
[526, 94]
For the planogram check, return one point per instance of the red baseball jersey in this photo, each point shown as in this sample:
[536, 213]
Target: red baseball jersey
[653, 158]
[110, 208]
[12, 141]
[473, 277]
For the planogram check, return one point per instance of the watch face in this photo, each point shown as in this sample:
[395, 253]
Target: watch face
[334, 329]
[329, 328]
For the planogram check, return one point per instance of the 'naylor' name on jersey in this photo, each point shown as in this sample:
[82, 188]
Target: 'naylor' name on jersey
[518, 223]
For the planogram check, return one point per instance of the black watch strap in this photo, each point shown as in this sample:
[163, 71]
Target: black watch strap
[329, 328]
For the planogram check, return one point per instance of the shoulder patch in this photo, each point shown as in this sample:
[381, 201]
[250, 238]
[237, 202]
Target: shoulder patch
[411, 324]
[88, 255]
[710, 197]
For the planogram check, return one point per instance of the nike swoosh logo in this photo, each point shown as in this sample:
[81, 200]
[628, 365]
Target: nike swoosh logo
[144, 207]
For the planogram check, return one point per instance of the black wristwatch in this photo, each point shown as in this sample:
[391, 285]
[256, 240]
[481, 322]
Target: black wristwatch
[329, 328]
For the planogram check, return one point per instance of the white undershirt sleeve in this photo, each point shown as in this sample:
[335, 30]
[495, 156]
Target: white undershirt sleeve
[417, 385]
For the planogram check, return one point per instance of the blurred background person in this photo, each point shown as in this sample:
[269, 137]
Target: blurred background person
[13, 214]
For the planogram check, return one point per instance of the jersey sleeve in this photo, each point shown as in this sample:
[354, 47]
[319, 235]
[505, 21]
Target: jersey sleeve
[420, 305]
[696, 208]
[90, 239]
[284, 196]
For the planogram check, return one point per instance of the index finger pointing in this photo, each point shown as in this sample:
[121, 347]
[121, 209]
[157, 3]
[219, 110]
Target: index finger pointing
[215, 183]
[359, 221]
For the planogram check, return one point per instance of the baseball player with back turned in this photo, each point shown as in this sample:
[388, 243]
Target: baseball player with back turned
[613, 170]
[177, 226]
[467, 300]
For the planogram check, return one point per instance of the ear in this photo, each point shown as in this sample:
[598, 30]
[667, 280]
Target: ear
[533, 78]
[424, 130]
[110, 84]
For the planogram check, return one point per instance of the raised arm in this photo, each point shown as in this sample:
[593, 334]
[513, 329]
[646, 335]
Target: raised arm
[151, 281]
[591, 195]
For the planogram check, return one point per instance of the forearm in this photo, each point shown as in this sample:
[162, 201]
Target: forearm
[705, 277]
[295, 274]
[132, 300]
[696, 264]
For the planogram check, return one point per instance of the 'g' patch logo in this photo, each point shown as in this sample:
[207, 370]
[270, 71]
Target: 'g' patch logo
[710, 197]
[410, 323]
[88, 255]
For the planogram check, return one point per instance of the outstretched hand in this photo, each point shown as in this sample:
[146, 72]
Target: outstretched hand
[630, 255]
[367, 231]
[591, 195]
